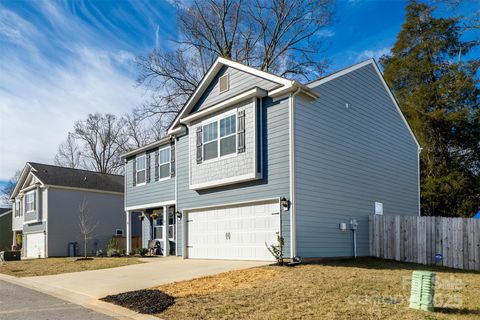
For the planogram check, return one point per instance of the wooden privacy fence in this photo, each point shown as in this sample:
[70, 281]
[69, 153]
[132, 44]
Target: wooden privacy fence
[449, 242]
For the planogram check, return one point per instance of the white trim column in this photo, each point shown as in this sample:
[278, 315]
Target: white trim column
[128, 231]
[166, 243]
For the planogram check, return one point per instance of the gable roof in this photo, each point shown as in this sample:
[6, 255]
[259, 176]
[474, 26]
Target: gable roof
[286, 86]
[70, 178]
[362, 64]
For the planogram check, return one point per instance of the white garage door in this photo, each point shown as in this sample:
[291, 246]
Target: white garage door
[35, 245]
[238, 232]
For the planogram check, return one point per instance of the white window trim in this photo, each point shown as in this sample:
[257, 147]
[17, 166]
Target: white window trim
[144, 170]
[169, 162]
[217, 119]
[34, 200]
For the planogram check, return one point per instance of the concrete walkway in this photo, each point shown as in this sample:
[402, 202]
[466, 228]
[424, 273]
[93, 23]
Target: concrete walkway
[86, 287]
[156, 271]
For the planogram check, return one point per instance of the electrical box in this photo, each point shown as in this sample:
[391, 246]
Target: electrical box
[353, 224]
[343, 227]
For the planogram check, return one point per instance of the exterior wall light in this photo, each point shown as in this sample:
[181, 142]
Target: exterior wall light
[284, 203]
[178, 214]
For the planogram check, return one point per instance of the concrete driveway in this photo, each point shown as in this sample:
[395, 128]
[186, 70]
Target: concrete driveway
[156, 271]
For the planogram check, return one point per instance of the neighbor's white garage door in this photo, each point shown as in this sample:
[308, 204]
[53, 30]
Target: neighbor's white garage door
[35, 245]
[238, 232]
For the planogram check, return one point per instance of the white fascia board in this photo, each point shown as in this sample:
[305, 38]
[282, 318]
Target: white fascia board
[253, 93]
[21, 180]
[217, 65]
[84, 190]
[152, 145]
[293, 87]
[340, 73]
[361, 65]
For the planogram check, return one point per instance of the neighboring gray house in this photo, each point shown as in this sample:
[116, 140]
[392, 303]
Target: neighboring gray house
[252, 154]
[5, 229]
[46, 204]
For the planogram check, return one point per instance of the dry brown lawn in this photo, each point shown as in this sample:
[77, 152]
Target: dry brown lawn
[366, 289]
[49, 266]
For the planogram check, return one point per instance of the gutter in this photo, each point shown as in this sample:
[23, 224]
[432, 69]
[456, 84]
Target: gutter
[294, 87]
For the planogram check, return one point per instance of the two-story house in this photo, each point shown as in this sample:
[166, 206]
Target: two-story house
[252, 155]
[47, 203]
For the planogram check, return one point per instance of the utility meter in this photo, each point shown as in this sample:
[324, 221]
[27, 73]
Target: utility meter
[353, 224]
[343, 227]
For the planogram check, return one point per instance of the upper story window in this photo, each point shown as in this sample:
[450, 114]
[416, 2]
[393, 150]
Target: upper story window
[30, 201]
[219, 137]
[140, 169]
[164, 162]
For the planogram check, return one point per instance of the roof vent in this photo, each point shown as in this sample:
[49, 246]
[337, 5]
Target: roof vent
[224, 83]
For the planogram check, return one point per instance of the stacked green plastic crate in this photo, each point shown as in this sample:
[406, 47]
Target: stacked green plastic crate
[423, 290]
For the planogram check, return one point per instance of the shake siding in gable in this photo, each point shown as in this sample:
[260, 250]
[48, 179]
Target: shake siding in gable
[275, 182]
[347, 158]
[239, 82]
[151, 192]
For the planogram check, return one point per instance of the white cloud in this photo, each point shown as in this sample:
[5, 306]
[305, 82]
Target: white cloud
[375, 53]
[326, 33]
[49, 80]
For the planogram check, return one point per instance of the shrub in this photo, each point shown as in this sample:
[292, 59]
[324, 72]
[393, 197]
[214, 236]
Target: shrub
[277, 250]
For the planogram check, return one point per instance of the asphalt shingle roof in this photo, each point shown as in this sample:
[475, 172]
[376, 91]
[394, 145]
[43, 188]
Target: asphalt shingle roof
[77, 178]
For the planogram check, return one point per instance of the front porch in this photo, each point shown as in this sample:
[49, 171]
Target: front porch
[154, 224]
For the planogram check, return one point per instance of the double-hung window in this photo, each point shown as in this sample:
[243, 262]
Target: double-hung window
[219, 137]
[164, 162]
[17, 208]
[140, 169]
[30, 201]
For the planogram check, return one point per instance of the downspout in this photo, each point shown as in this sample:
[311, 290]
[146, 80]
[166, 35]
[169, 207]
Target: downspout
[293, 227]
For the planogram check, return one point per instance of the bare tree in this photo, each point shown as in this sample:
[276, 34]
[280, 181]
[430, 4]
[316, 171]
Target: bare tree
[69, 154]
[103, 139]
[278, 36]
[142, 131]
[7, 190]
[86, 226]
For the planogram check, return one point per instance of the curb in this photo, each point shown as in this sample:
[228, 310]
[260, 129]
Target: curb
[80, 299]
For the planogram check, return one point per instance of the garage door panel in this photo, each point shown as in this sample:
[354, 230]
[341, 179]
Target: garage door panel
[249, 228]
[35, 245]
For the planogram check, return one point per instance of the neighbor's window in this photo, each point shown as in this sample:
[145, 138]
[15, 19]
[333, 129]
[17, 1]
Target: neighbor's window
[164, 159]
[17, 208]
[219, 137]
[30, 201]
[140, 169]
[119, 232]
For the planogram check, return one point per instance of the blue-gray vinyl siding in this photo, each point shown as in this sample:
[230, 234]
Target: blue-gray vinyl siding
[151, 192]
[275, 167]
[34, 227]
[348, 158]
[106, 211]
[239, 82]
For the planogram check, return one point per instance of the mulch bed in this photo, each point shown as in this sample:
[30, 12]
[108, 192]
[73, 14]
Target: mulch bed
[142, 301]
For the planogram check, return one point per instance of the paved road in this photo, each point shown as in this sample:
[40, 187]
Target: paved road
[20, 303]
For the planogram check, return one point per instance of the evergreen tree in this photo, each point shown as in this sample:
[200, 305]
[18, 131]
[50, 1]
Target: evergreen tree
[438, 91]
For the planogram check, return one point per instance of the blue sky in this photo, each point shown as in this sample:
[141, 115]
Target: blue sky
[61, 60]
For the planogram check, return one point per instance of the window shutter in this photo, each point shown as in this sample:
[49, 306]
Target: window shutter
[148, 168]
[157, 174]
[199, 144]
[134, 171]
[241, 131]
[172, 158]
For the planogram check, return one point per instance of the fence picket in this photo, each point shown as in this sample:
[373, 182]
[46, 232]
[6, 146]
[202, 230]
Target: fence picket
[419, 239]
